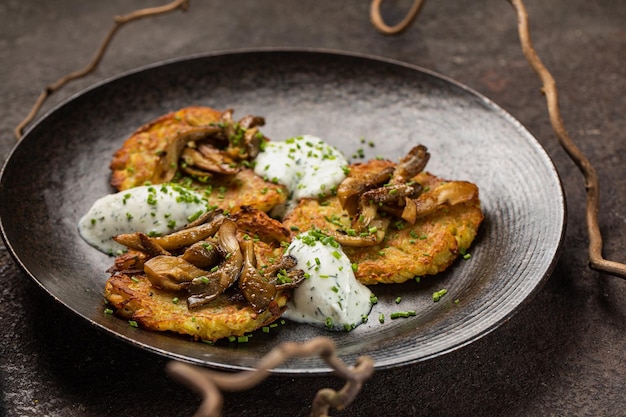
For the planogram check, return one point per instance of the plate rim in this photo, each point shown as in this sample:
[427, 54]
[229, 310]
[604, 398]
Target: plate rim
[312, 51]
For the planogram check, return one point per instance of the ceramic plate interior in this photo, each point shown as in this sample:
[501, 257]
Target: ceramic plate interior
[60, 168]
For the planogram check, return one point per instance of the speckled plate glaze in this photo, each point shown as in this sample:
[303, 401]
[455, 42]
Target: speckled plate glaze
[61, 166]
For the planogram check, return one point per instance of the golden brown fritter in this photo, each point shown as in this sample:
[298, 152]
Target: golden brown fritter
[136, 162]
[426, 247]
[244, 188]
[134, 298]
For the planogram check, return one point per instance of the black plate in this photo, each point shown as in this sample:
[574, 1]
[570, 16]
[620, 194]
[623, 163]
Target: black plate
[61, 166]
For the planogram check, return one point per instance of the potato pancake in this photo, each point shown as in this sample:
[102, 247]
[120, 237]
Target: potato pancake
[425, 247]
[136, 162]
[134, 298]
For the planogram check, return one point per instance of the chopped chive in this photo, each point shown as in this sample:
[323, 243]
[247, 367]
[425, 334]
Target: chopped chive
[438, 294]
[403, 314]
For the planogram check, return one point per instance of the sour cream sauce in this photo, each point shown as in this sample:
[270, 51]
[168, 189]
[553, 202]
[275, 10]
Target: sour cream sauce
[330, 296]
[306, 165]
[153, 210]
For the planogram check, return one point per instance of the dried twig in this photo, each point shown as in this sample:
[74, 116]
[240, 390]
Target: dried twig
[210, 383]
[119, 21]
[596, 260]
[381, 26]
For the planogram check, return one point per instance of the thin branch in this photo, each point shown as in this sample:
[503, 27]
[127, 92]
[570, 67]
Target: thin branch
[209, 384]
[119, 21]
[596, 261]
[381, 26]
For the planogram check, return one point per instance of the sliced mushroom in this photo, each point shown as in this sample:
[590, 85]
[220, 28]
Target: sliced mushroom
[370, 236]
[171, 273]
[362, 197]
[249, 122]
[288, 279]
[152, 248]
[167, 165]
[203, 254]
[175, 240]
[286, 262]
[448, 194]
[256, 289]
[351, 188]
[208, 158]
[129, 263]
[252, 140]
[191, 235]
[283, 274]
[393, 195]
[244, 138]
[206, 288]
[141, 242]
[205, 217]
[410, 165]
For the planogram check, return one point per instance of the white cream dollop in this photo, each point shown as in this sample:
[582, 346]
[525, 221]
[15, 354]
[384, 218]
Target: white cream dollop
[330, 296]
[153, 209]
[306, 165]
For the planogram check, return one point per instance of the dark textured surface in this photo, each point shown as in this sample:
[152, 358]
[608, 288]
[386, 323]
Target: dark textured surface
[562, 355]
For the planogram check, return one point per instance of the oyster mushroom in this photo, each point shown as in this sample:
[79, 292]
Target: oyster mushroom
[388, 189]
[411, 164]
[198, 174]
[392, 195]
[250, 122]
[256, 289]
[370, 236]
[151, 247]
[216, 148]
[203, 254]
[176, 240]
[207, 287]
[448, 194]
[283, 274]
[259, 289]
[171, 273]
[211, 159]
[352, 188]
[167, 164]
